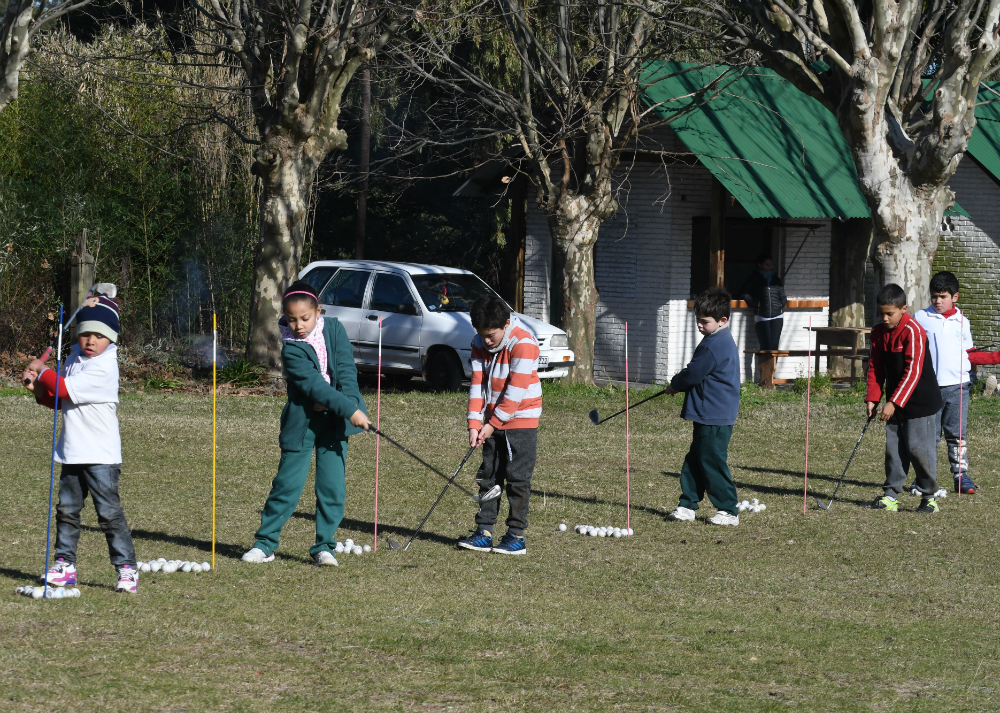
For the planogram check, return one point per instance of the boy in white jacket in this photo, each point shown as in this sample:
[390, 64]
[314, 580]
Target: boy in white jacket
[949, 339]
[89, 446]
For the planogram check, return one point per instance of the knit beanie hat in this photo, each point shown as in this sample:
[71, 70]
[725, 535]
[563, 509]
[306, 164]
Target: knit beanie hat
[100, 316]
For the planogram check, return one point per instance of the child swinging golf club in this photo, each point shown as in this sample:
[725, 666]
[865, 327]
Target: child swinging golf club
[90, 446]
[324, 407]
[505, 402]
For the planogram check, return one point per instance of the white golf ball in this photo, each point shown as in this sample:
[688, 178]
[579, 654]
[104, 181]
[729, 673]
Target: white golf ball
[186, 567]
[76, 592]
[562, 527]
[592, 532]
[745, 503]
[618, 535]
[367, 548]
[755, 501]
[155, 566]
[339, 549]
[18, 590]
[161, 560]
[37, 593]
[763, 507]
[602, 533]
[631, 532]
[348, 542]
[145, 568]
[357, 550]
[168, 568]
[58, 594]
[206, 567]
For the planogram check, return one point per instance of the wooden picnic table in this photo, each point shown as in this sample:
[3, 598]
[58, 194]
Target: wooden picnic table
[839, 342]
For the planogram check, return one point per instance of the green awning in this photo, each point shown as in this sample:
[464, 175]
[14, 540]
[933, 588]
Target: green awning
[777, 150]
[984, 144]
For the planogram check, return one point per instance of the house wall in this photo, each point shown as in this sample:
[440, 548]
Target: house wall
[643, 274]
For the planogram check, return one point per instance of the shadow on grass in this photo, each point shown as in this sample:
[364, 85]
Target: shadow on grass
[221, 548]
[594, 500]
[798, 474]
[772, 490]
[18, 574]
[368, 527]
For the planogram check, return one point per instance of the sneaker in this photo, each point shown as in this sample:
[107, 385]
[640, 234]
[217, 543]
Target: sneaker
[964, 485]
[60, 574]
[481, 540]
[324, 559]
[128, 579]
[724, 518]
[511, 544]
[991, 386]
[681, 515]
[884, 502]
[928, 505]
[256, 555]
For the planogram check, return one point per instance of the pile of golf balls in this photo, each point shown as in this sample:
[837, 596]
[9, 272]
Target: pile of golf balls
[50, 593]
[349, 547]
[169, 566]
[616, 532]
[754, 505]
[942, 493]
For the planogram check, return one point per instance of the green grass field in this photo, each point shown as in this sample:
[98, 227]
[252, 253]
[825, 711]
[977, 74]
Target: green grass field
[846, 610]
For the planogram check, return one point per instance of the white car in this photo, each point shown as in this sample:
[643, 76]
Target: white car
[424, 311]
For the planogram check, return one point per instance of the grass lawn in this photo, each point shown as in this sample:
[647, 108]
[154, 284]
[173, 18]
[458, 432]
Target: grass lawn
[846, 610]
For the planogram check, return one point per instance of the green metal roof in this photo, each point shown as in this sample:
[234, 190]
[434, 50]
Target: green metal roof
[984, 145]
[777, 150]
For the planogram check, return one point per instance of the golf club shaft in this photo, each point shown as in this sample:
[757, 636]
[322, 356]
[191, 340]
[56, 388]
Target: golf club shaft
[450, 481]
[648, 398]
[849, 460]
[420, 460]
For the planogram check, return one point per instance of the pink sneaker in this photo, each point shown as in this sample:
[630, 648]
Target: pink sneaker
[128, 579]
[60, 574]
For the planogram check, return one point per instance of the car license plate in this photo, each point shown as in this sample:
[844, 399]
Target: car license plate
[543, 361]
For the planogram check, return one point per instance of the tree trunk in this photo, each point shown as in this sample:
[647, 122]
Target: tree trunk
[364, 147]
[287, 172]
[849, 246]
[13, 50]
[574, 226]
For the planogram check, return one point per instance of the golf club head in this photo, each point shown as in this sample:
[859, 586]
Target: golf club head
[821, 506]
[491, 494]
[594, 417]
[393, 545]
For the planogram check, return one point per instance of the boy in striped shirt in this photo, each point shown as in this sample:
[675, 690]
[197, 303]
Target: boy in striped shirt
[505, 401]
[901, 361]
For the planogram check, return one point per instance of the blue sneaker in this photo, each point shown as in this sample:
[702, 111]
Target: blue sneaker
[964, 485]
[481, 540]
[511, 545]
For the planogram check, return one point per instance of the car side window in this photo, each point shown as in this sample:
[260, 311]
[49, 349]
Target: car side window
[391, 294]
[346, 289]
[318, 277]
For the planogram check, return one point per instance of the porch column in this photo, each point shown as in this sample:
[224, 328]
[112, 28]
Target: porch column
[717, 241]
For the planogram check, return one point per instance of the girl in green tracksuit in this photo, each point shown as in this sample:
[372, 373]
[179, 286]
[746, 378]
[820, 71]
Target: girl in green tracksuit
[324, 407]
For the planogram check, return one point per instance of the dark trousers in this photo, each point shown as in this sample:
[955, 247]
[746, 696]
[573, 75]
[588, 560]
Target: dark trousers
[706, 470]
[508, 461]
[101, 482]
[947, 420]
[911, 442]
[769, 332]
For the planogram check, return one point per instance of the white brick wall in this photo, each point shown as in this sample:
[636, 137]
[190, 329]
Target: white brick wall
[537, 264]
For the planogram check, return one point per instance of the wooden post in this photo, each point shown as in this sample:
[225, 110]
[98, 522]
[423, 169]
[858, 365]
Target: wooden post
[82, 269]
[717, 243]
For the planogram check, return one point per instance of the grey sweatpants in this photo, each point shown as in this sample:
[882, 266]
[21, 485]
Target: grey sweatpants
[508, 461]
[948, 421]
[911, 442]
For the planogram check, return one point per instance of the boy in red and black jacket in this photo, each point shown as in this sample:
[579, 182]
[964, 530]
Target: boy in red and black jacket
[901, 360]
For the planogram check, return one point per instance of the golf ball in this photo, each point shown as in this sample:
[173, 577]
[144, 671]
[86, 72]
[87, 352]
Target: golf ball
[592, 532]
[145, 567]
[367, 548]
[357, 550]
[631, 532]
[562, 527]
[161, 560]
[186, 567]
[763, 506]
[205, 567]
[618, 535]
[168, 568]
[37, 593]
[348, 542]
[339, 549]
[155, 566]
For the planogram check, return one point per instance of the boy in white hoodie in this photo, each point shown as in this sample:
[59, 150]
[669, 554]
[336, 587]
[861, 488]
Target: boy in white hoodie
[89, 447]
[949, 339]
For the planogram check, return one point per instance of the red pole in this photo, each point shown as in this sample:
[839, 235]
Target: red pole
[378, 424]
[628, 469]
[805, 484]
[961, 393]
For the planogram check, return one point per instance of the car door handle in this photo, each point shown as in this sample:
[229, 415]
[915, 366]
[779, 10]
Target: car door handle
[373, 317]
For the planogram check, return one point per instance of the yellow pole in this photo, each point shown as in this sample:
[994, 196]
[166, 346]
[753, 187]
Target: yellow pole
[214, 362]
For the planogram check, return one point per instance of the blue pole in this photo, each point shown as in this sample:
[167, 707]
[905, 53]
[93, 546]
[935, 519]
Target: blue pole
[52, 465]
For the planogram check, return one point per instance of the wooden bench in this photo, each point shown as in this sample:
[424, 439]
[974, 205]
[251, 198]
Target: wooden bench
[769, 361]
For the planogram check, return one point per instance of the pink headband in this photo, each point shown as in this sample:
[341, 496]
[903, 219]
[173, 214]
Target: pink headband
[301, 292]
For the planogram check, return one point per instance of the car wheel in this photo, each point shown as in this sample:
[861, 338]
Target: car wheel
[444, 371]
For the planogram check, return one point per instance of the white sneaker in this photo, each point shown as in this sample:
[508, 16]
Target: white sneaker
[681, 515]
[257, 556]
[724, 518]
[325, 559]
[991, 386]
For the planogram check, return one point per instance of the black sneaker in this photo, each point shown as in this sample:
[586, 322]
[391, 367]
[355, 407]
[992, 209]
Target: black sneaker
[928, 505]
[884, 502]
[511, 545]
[481, 540]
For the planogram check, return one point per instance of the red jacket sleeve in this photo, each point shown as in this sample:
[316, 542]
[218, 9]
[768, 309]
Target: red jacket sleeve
[914, 349]
[876, 370]
[45, 389]
[984, 358]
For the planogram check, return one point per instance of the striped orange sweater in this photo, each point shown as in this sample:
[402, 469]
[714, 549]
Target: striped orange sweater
[505, 391]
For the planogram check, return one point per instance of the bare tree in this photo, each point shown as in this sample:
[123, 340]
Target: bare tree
[297, 58]
[20, 22]
[569, 102]
[902, 77]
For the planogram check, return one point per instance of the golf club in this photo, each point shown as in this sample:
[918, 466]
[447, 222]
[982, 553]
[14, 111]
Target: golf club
[827, 506]
[395, 545]
[105, 288]
[478, 498]
[598, 421]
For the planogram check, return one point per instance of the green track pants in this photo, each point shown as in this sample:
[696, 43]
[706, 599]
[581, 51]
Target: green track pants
[287, 486]
[706, 471]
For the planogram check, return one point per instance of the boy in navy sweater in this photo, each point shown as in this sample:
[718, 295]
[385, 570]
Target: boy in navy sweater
[711, 386]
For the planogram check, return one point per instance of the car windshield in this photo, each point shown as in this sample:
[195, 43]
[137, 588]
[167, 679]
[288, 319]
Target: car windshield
[450, 293]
